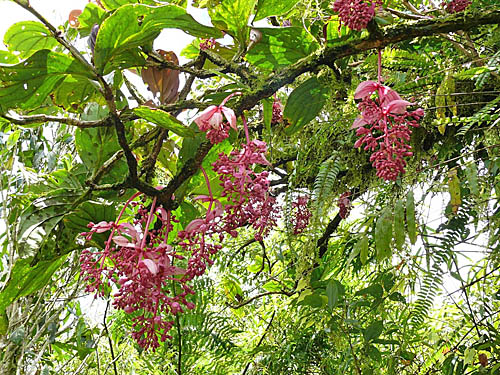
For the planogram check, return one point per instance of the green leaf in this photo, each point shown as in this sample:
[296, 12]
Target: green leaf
[383, 234]
[281, 47]
[373, 331]
[133, 26]
[115, 4]
[74, 93]
[25, 280]
[266, 8]
[267, 113]
[272, 286]
[8, 58]
[313, 300]
[91, 15]
[232, 16]
[361, 247]
[399, 225]
[297, 112]
[471, 173]
[375, 290]
[18, 335]
[410, 218]
[26, 85]
[334, 290]
[164, 120]
[27, 37]
[363, 253]
[38, 221]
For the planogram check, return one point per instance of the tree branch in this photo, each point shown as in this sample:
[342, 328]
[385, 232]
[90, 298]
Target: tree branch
[244, 303]
[39, 119]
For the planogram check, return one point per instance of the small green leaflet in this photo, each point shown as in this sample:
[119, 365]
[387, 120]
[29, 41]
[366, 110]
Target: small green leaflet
[334, 291]
[266, 8]
[471, 173]
[133, 26]
[361, 247]
[164, 120]
[373, 331]
[383, 234]
[399, 225]
[410, 218]
[297, 112]
[27, 37]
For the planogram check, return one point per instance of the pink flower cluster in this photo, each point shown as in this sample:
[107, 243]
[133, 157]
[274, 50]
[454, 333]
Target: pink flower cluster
[388, 131]
[140, 262]
[456, 6]
[246, 190]
[212, 122]
[300, 214]
[344, 204]
[355, 13]
[277, 112]
[207, 44]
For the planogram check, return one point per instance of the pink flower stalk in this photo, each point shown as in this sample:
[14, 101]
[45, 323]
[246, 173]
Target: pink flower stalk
[300, 214]
[388, 128]
[356, 13]
[456, 6]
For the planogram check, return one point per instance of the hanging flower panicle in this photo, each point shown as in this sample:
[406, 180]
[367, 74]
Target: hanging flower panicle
[456, 6]
[140, 262]
[356, 13]
[300, 214]
[344, 204]
[277, 112]
[387, 130]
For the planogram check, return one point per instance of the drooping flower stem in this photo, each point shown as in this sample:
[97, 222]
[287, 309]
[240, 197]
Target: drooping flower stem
[148, 222]
[245, 126]
[118, 218]
[379, 66]
[230, 96]
[210, 194]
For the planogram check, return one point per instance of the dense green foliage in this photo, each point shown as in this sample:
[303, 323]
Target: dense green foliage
[408, 283]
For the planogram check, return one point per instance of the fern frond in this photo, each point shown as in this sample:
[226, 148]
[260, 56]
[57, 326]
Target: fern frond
[324, 182]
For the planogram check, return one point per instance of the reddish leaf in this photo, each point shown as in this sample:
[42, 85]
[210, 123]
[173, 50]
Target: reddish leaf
[163, 81]
[73, 18]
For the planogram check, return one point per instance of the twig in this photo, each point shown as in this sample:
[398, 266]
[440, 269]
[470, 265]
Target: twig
[109, 339]
[283, 292]
[260, 341]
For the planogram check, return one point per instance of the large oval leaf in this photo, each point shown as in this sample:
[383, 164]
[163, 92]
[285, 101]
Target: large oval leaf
[281, 47]
[410, 218]
[27, 37]
[304, 104]
[132, 26]
[266, 8]
[399, 225]
[26, 85]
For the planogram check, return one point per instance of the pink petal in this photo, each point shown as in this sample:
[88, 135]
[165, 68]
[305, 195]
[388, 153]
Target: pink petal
[389, 95]
[365, 89]
[398, 106]
[102, 226]
[216, 120]
[122, 241]
[152, 267]
[359, 122]
[230, 116]
[194, 225]
[204, 116]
